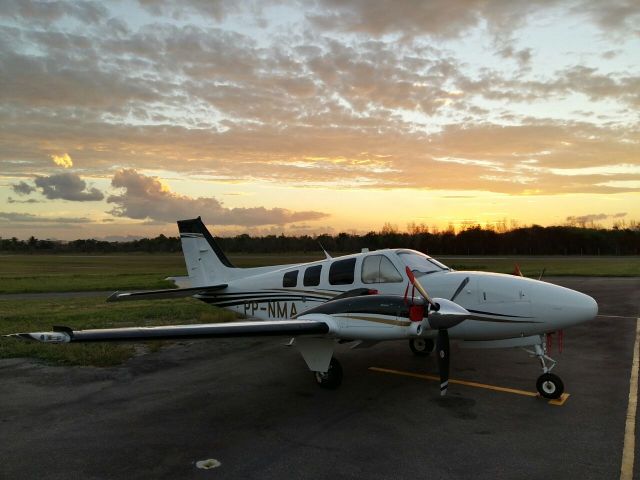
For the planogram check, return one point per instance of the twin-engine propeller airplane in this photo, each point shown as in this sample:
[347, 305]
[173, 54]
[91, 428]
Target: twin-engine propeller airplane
[363, 298]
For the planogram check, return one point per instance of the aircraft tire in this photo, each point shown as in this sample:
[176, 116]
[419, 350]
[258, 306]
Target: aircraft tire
[550, 386]
[421, 347]
[332, 378]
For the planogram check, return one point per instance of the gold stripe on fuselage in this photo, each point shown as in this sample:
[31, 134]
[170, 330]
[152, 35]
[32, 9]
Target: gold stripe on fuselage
[398, 323]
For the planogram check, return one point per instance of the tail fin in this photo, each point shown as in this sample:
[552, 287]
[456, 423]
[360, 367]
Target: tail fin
[206, 262]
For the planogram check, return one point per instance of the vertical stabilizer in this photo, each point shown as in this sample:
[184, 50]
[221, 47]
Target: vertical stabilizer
[206, 262]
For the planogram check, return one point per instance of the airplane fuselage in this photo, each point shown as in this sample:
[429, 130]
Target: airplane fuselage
[504, 306]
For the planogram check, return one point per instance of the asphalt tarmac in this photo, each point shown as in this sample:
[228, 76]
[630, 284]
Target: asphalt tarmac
[254, 407]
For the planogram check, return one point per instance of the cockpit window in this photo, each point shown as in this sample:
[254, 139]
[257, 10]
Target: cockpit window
[379, 269]
[421, 264]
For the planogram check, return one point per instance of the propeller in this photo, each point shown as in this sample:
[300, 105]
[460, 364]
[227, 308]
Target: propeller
[442, 314]
[542, 273]
[423, 292]
[517, 272]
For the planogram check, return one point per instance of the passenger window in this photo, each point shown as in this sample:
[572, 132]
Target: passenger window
[341, 272]
[379, 269]
[290, 279]
[312, 276]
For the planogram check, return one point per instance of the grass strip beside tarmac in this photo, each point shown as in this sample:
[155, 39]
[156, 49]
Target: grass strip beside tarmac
[83, 313]
[71, 273]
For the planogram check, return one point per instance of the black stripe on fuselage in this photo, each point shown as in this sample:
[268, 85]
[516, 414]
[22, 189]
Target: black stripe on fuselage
[496, 314]
[279, 291]
[260, 298]
[500, 320]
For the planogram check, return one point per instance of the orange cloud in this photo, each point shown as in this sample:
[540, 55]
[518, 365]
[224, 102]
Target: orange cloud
[63, 160]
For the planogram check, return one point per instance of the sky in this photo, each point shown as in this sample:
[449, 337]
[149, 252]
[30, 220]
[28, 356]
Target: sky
[308, 117]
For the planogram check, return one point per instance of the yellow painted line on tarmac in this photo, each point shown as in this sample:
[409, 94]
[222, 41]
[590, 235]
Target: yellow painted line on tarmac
[559, 402]
[628, 450]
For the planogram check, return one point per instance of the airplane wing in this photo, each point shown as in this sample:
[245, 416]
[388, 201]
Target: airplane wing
[179, 332]
[167, 293]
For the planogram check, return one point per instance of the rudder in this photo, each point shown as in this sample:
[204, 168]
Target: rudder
[206, 262]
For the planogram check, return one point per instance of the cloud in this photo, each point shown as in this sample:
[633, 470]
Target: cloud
[23, 188]
[47, 12]
[38, 219]
[593, 217]
[446, 19]
[304, 106]
[67, 186]
[31, 200]
[63, 160]
[146, 197]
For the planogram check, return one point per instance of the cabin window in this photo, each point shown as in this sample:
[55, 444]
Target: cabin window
[290, 279]
[312, 276]
[379, 269]
[341, 272]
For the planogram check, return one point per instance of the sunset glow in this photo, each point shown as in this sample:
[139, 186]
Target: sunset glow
[309, 117]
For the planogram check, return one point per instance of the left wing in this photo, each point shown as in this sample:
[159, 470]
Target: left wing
[179, 332]
[166, 293]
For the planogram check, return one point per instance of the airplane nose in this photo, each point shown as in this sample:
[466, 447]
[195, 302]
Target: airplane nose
[591, 307]
[563, 307]
[580, 307]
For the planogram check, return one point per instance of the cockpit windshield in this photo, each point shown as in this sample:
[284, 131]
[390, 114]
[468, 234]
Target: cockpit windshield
[420, 264]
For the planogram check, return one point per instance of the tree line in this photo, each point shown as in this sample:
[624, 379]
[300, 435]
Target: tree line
[473, 240]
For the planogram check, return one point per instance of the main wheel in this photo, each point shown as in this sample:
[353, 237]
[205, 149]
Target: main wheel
[550, 385]
[332, 378]
[421, 346]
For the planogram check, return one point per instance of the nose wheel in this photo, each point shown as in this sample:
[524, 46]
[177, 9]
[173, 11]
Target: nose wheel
[550, 386]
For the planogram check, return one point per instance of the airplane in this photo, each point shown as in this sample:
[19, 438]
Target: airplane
[361, 299]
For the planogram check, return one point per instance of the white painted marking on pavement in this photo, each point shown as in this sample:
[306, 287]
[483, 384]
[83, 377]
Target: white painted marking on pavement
[208, 464]
[628, 451]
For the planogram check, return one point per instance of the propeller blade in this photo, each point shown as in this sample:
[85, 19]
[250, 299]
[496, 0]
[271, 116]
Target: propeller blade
[542, 273]
[423, 292]
[460, 288]
[517, 272]
[442, 346]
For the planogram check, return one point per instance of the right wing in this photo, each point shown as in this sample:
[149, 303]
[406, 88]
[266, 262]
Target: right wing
[179, 332]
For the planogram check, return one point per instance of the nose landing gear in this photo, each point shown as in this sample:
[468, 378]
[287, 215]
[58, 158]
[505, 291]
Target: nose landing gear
[548, 384]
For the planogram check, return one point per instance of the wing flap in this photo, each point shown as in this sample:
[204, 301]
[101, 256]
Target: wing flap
[167, 293]
[180, 332]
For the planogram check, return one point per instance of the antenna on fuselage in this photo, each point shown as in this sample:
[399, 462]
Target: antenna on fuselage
[326, 254]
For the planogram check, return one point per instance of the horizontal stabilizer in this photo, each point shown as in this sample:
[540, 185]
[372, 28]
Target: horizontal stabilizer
[167, 293]
[179, 332]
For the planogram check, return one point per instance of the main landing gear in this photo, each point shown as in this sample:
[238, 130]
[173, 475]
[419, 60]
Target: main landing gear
[332, 378]
[421, 346]
[548, 385]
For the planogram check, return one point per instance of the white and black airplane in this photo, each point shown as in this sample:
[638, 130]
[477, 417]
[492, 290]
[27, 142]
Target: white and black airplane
[362, 298]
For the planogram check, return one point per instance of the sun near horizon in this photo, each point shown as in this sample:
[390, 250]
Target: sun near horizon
[119, 119]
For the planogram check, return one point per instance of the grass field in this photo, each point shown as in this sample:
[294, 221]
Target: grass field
[60, 273]
[554, 266]
[69, 273]
[72, 273]
[82, 313]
